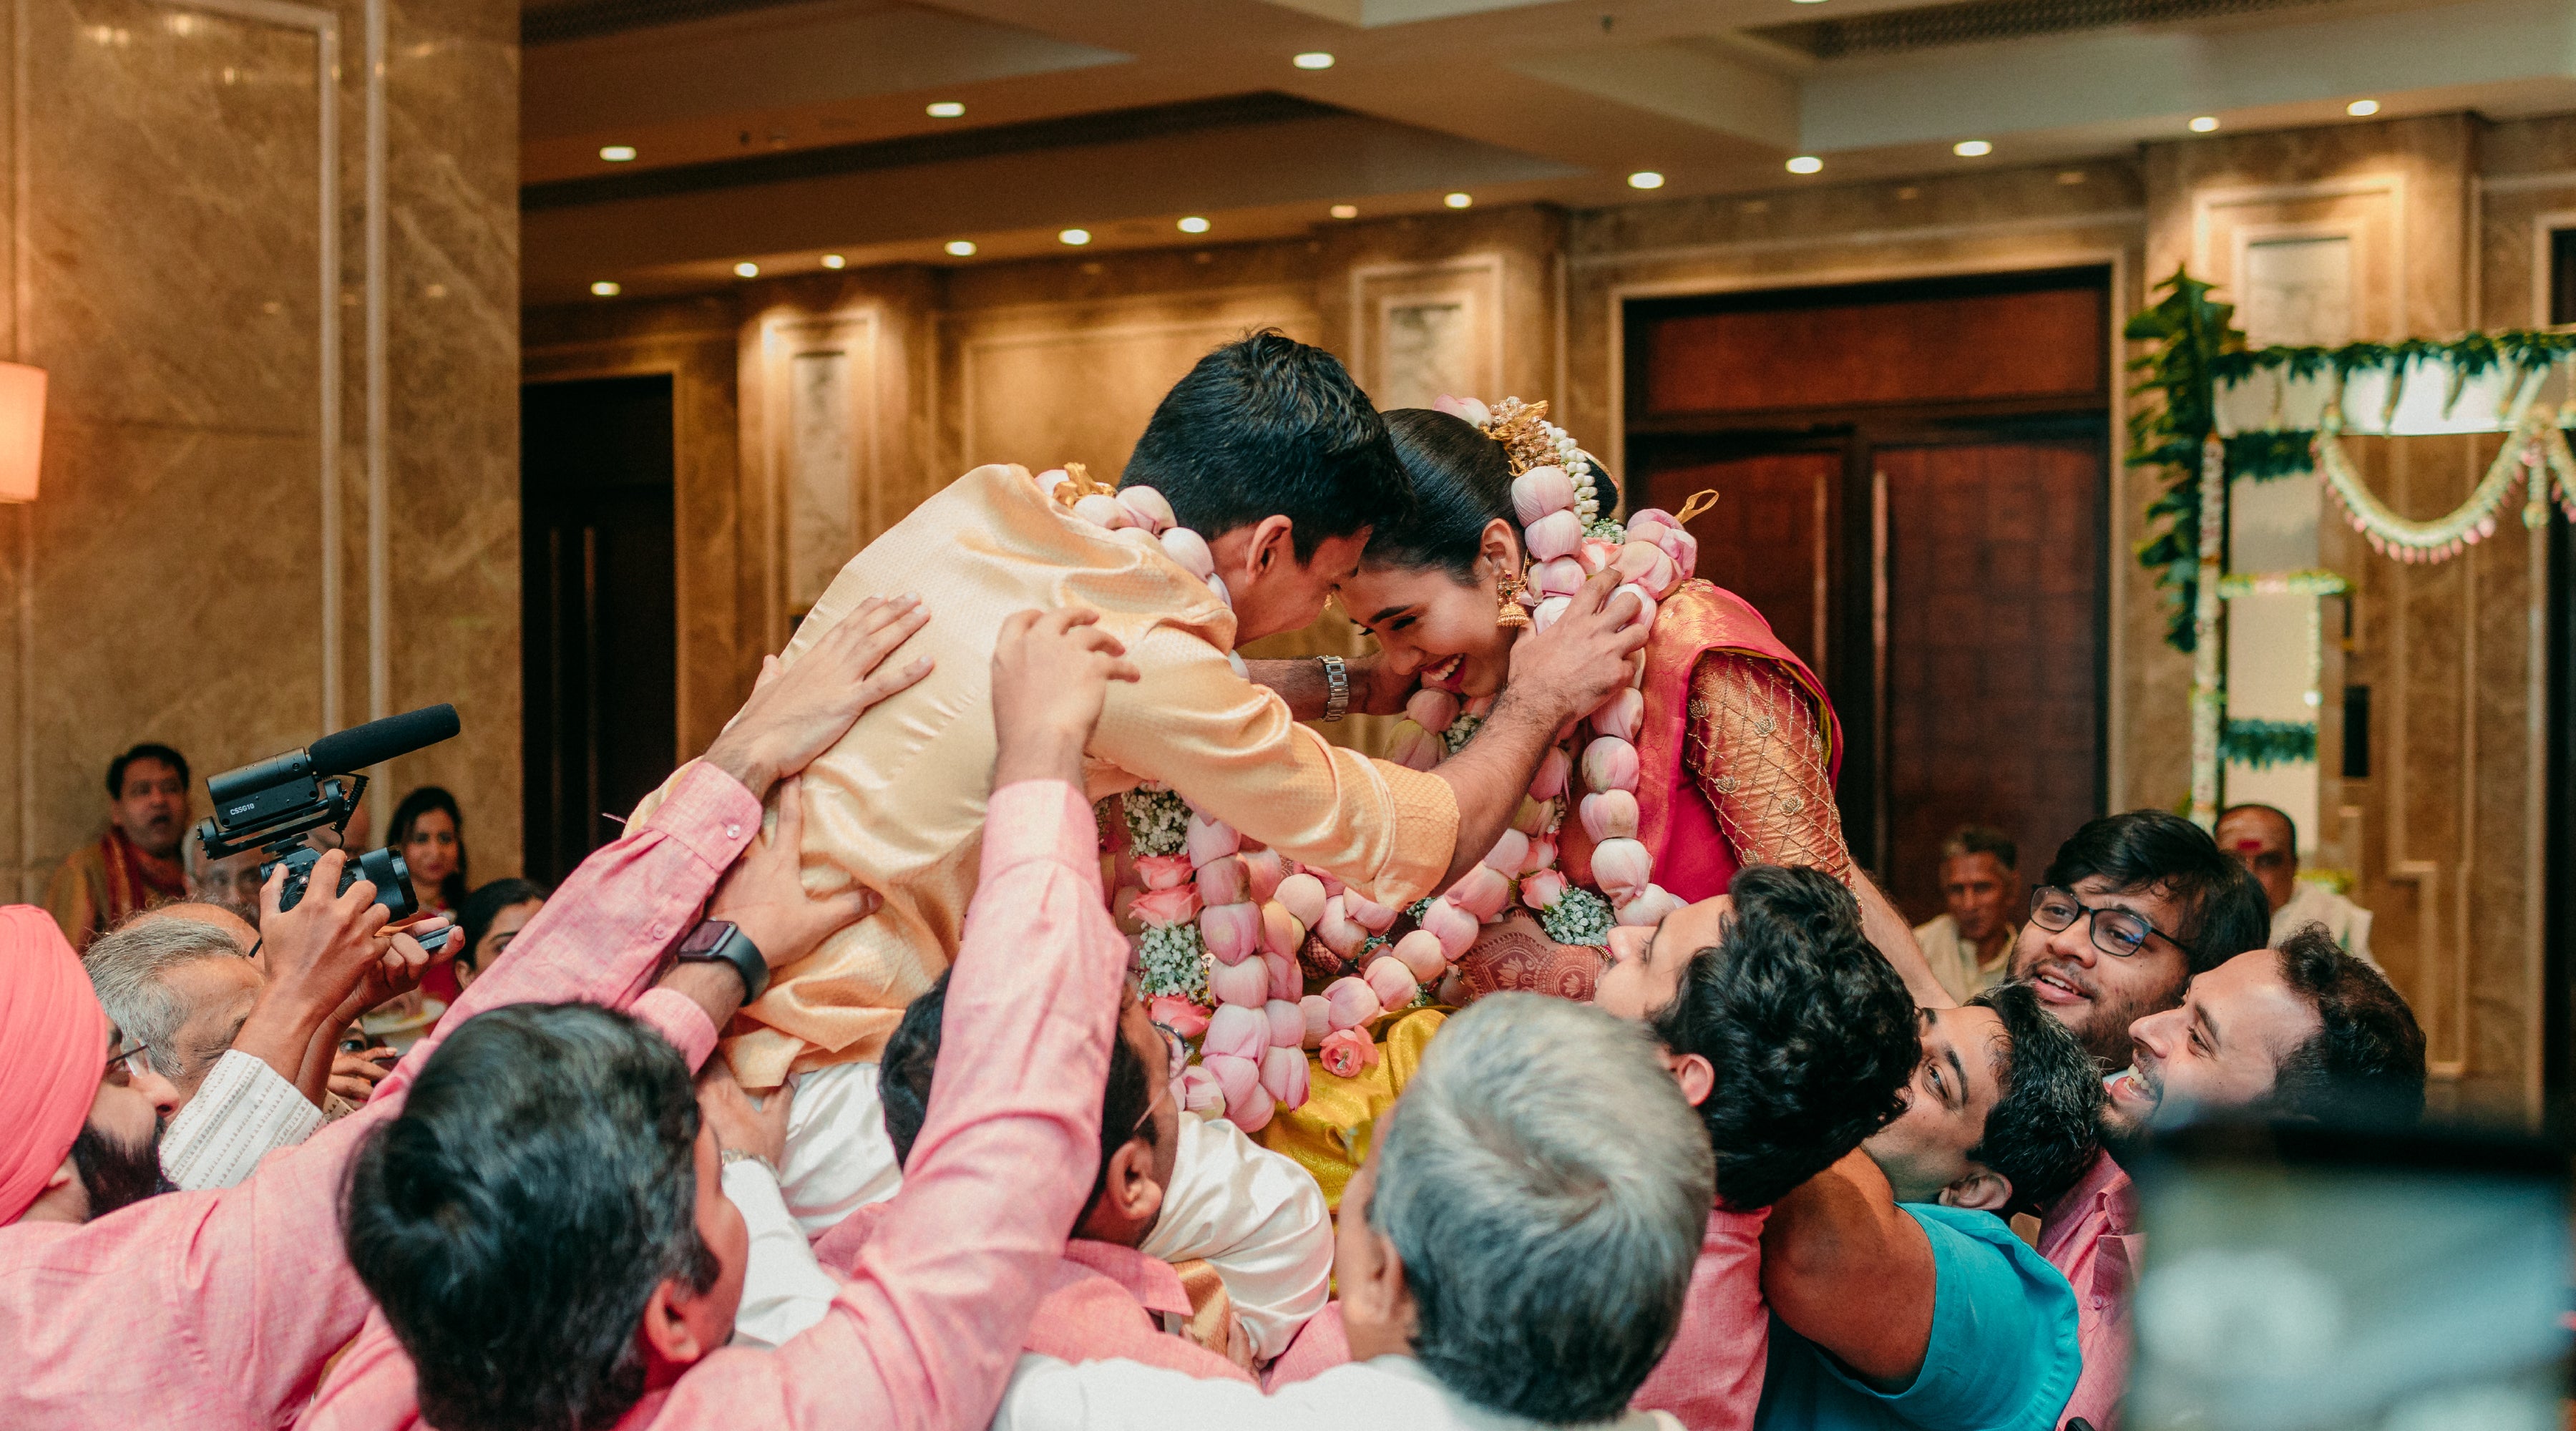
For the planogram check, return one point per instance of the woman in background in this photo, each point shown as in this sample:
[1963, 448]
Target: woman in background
[493, 917]
[429, 833]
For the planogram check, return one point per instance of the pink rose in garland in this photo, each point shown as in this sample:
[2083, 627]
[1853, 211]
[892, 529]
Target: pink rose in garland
[1163, 871]
[1179, 1015]
[1177, 905]
[1347, 1053]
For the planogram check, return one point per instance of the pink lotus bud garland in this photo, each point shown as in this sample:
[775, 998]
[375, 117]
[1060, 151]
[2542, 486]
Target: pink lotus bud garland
[1215, 954]
[1557, 499]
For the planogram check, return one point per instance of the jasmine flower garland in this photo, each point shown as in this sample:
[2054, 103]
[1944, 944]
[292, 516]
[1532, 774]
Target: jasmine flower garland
[1158, 820]
[1174, 962]
[1461, 731]
[1580, 917]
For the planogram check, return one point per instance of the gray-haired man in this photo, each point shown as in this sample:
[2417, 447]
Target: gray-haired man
[1514, 1253]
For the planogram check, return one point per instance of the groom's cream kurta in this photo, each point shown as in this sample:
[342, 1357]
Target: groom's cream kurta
[898, 804]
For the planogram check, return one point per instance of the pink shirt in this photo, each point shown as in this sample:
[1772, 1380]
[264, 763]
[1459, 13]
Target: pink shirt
[218, 1309]
[1711, 1376]
[2090, 1234]
[926, 1331]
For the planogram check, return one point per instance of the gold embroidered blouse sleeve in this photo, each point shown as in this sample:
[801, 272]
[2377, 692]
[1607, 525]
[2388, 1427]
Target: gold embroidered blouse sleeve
[1757, 752]
[1232, 749]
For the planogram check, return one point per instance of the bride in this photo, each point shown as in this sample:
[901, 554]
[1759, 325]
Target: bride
[1736, 743]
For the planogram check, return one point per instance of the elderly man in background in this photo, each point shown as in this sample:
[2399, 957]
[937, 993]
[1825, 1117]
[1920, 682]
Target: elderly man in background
[1970, 945]
[231, 883]
[135, 865]
[1515, 1252]
[180, 983]
[2267, 840]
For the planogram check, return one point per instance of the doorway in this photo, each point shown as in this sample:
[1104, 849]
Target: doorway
[1914, 486]
[599, 653]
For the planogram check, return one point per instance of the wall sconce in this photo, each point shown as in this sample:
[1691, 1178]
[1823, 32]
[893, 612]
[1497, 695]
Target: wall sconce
[22, 430]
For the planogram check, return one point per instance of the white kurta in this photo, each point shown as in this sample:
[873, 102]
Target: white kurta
[1255, 1216]
[1389, 1391]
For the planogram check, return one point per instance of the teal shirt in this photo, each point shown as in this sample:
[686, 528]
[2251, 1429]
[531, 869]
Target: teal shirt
[2002, 1357]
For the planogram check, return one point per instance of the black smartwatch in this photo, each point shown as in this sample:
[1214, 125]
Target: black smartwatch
[715, 941]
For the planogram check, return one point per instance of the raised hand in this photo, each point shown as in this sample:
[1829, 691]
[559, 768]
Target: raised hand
[1583, 659]
[796, 712]
[1051, 675]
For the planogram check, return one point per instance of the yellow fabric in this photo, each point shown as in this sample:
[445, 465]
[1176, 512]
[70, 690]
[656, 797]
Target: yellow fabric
[1329, 1135]
[898, 804]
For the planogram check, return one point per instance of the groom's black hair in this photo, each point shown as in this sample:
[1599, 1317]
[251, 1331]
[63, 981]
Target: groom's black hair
[1268, 426]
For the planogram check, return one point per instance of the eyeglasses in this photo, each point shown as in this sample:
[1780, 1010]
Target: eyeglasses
[2116, 931]
[122, 1061]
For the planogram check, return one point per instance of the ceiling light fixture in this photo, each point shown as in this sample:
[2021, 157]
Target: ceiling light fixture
[1459, 201]
[834, 260]
[617, 153]
[1645, 179]
[1805, 164]
[604, 288]
[1346, 211]
[1194, 225]
[945, 109]
[1313, 60]
[2362, 108]
[1972, 148]
[2203, 124]
[746, 269]
[961, 248]
[1075, 237]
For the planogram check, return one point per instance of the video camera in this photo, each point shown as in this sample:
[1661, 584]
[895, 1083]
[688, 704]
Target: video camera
[275, 803]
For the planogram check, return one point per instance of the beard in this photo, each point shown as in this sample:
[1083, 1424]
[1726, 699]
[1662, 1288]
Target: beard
[117, 1174]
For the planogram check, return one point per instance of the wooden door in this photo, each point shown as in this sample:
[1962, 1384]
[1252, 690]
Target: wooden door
[599, 620]
[1993, 697]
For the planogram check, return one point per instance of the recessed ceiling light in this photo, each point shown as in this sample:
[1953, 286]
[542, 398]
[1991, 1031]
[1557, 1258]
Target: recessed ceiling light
[1810, 2]
[1346, 211]
[834, 260]
[604, 288]
[945, 109]
[1972, 149]
[1645, 179]
[1459, 201]
[746, 269]
[1805, 164]
[2362, 108]
[961, 248]
[2204, 123]
[617, 153]
[1075, 237]
[1314, 60]
[1194, 225]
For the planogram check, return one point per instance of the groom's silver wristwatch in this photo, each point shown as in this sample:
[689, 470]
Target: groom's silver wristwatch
[1338, 677]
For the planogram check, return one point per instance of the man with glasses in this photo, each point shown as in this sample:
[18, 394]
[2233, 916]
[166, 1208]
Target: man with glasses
[2131, 909]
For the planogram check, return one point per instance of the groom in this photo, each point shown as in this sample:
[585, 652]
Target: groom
[1271, 453]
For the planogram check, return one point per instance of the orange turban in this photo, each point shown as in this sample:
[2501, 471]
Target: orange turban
[53, 1041]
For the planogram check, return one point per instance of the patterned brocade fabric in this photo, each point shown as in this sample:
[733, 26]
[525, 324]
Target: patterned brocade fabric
[1757, 751]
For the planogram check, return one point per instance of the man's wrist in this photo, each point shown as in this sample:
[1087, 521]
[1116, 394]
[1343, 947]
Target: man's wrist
[744, 763]
[1048, 755]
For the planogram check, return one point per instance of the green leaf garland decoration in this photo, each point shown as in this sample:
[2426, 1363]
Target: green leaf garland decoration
[2265, 743]
[2192, 334]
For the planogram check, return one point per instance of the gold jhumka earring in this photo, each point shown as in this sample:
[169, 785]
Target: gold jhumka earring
[1507, 600]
